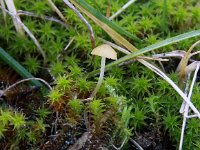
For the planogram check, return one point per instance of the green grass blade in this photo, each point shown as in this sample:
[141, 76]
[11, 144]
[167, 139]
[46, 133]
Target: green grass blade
[163, 43]
[106, 21]
[164, 24]
[17, 67]
[112, 33]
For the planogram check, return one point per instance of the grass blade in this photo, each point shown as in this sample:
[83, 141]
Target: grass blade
[11, 7]
[163, 43]
[102, 18]
[164, 22]
[176, 88]
[17, 67]
[184, 61]
[122, 9]
[113, 34]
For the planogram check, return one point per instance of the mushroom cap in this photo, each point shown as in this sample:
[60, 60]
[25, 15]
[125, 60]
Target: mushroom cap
[105, 50]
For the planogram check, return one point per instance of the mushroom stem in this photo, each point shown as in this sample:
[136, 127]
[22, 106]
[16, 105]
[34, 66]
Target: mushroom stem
[100, 80]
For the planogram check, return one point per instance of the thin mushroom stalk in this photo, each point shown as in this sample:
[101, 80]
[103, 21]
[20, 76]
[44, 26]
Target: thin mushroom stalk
[100, 80]
[105, 51]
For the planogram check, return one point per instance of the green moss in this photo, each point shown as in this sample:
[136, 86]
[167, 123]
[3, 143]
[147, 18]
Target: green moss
[150, 100]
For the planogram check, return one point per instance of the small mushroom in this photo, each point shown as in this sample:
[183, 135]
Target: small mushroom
[105, 51]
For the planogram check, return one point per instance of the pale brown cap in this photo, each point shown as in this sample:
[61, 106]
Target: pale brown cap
[105, 50]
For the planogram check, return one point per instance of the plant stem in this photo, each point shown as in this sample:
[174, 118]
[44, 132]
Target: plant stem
[136, 144]
[186, 93]
[115, 46]
[24, 80]
[178, 90]
[102, 18]
[84, 21]
[100, 80]
[22, 12]
[182, 133]
[28, 32]
[3, 11]
[122, 9]
[186, 109]
[164, 22]
[53, 6]
[157, 45]
[184, 61]
[11, 7]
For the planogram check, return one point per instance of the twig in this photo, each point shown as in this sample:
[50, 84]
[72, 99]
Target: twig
[56, 122]
[84, 21]
[22, 12]
[53, 6]
[28, 32]
[119, 148]
[54, 125]
[24, 80]
[80, 142]
[186, 110]
[136, 144]
[86, 120]
[122, 9]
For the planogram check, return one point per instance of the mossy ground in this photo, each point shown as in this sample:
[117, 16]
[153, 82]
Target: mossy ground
[132, 102]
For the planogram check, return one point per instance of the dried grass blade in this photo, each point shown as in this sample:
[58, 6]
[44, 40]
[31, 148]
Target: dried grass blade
[114, 35]
[11, 7]
[160, 44]
[166, 78]
[184, 61]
